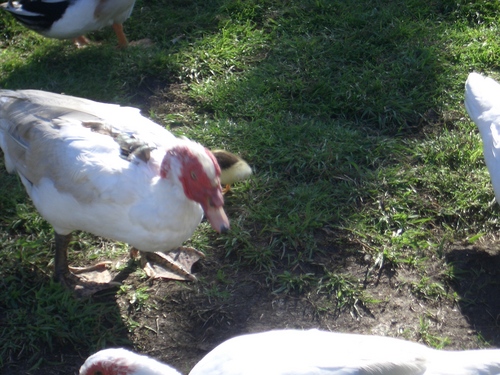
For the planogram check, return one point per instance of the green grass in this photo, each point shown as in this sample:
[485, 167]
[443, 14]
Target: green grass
[350, 113]
[428, 338]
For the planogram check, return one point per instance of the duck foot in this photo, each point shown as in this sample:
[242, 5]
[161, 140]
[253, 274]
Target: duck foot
[82, 281]
[226, 189]
[174, 265]
[86, 281]
[81, 41]
[99, 267]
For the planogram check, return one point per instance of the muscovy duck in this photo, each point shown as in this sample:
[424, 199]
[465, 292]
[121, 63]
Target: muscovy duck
[71, 19]
[295, 352]
[108, 170]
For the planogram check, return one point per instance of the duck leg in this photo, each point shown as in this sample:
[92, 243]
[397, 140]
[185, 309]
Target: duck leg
[61, 257]
[97, 276]
[226, 189]
[172, 265]
[122, 39]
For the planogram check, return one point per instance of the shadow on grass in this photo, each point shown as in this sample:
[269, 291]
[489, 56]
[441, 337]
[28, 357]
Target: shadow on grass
[90, 72]
[47, 331]
[375, 68]
[476, 280]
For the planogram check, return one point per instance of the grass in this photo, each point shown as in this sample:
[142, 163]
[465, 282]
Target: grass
[430, 339]
[350, 113]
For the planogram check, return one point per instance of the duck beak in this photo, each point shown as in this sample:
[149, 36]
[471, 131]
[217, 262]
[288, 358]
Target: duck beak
[214, 211]
[217, 218]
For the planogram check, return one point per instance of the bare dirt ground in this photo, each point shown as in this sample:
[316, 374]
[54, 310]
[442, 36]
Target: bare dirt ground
[181, 322]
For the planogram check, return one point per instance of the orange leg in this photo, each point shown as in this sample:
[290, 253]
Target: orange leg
[122, 39]
[81, 41]
[226, 189]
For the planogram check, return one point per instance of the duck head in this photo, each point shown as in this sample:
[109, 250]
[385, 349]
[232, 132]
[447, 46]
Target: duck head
[199, 174]
[123, 362]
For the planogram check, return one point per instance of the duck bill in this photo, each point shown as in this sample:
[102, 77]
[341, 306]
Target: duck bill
[217, 218]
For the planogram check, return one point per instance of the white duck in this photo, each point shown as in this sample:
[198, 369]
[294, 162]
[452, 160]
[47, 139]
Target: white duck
[107, 170]
[67, 19]
[482, 101]
[295, 352]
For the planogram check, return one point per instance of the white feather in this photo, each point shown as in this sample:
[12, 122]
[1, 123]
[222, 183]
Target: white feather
[314, 352]
[482, 101]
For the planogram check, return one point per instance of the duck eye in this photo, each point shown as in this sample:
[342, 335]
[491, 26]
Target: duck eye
[194, 176]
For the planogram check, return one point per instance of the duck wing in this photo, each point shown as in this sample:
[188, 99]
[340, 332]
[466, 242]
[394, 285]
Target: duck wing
[76, 143]
[123, 119]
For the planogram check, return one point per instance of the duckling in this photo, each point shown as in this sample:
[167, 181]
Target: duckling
[71, 19]
[233, 168]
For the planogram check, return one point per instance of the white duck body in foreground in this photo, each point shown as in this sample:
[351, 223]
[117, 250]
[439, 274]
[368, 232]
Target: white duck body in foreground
[66, 19]
[295, 352]
[482, 101]
[107, 170]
